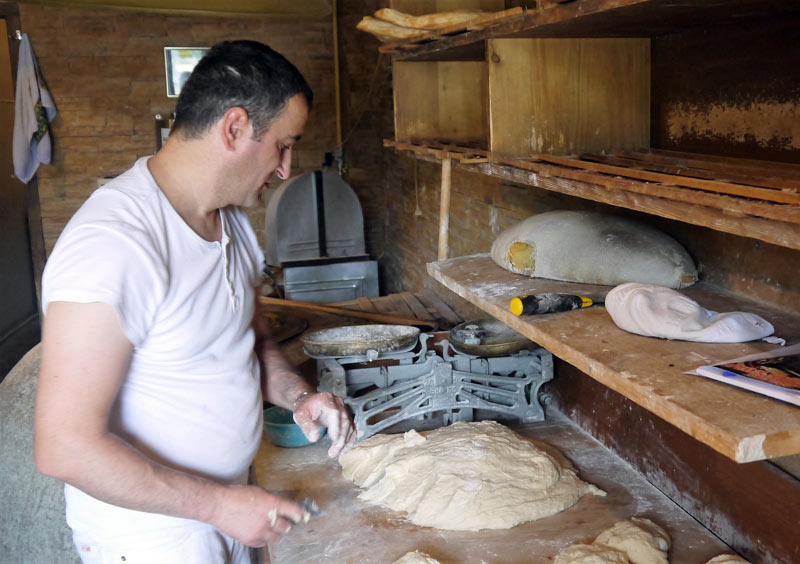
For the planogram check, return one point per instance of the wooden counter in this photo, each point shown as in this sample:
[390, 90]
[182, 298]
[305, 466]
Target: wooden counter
[350, 531]
[743, 426]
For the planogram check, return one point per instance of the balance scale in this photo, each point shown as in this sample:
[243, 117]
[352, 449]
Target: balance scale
[388, 374]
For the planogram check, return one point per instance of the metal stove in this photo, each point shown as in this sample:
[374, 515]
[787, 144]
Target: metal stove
[392, 374]
[315, 233]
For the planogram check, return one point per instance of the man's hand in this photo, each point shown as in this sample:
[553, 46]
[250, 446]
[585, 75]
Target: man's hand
[254, 516]
[326, 410]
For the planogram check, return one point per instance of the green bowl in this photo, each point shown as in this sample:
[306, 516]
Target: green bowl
[282, 431]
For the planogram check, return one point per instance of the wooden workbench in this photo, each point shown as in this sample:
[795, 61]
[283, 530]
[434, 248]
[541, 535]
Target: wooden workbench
[350, 531]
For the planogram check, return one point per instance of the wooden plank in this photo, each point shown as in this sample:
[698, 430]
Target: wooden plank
[365, 304]
[637, 197]
[350, 531]
[707, 185]
[372, 316]
[696, 170]
[562, 95]
[418, 309]
[431, 299]
[444, 209]
[735, 206]
[726, 165]
[756, 166]
[399, 306]
[765, 221]
[648, 371]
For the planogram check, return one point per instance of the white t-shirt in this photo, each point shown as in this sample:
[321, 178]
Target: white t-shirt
[191, 397]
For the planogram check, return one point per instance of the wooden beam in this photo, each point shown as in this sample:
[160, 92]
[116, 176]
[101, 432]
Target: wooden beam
[444, 209]
[377, 317]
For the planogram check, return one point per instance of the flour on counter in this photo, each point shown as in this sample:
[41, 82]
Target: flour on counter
[466, 476]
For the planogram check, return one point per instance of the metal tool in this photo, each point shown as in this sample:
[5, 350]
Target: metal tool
[424, 386]
[310, 509]
[549, 303]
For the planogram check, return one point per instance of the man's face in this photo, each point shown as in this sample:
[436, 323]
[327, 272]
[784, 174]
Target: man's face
[272, 154]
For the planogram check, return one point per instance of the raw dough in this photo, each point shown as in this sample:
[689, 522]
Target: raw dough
[635, 541]
[656, 311]
[467, 476]
[728, 559]
[643, 541]
[593, 248]
[416, 557]
[590, 554]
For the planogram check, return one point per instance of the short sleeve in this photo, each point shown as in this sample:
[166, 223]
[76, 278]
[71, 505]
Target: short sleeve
[111, 260]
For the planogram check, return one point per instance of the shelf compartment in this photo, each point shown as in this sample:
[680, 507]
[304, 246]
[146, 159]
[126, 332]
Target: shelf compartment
[598, 18]
[769, 214]
[741, 425]
[560, 96]
[441, 100]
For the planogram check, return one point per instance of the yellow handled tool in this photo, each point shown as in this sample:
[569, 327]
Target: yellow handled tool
[548, 303]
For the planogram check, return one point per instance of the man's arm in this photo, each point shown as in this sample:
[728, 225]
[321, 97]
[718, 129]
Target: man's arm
[281, 385]
[85, 357]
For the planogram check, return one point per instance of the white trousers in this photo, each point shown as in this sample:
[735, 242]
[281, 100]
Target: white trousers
[182, 545]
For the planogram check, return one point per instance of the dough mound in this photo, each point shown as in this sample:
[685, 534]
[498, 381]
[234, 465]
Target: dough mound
[642, 540]
[593, 248]
[590, 554]
[728, 559]
[656, 311]
[635, 541]
[463, 477]
[416, 557]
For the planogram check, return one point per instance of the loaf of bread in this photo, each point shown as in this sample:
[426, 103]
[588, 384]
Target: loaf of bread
[386, 31]
[428, 21]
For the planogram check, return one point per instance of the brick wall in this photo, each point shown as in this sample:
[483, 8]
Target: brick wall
[367, 119]
[105, 70]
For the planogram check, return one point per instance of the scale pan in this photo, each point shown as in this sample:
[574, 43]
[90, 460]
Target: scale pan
[488, 337]
[358, 339]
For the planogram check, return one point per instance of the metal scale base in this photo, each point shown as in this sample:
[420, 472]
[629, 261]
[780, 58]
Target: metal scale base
[389, 374]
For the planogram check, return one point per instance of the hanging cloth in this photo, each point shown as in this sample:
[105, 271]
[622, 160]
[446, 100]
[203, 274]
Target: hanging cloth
[34, 109]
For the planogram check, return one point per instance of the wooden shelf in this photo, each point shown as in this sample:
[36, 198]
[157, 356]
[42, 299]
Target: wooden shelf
[755, 199]
[587, 18]
[741, 425]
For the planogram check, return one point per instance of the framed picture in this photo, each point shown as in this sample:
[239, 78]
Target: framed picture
[179, 62]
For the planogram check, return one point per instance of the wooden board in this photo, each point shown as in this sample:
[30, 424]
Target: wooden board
[350, 531]
[559, 96]
[435, 100]
[741, 425]
[778, 224]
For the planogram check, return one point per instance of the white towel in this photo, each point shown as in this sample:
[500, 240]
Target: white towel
[34, 109]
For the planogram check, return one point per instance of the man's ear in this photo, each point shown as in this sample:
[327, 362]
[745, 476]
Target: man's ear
[235, 127]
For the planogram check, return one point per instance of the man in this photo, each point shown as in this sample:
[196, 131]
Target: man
[154, 358]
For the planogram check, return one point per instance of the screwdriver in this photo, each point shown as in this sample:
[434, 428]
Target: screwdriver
[548, 303]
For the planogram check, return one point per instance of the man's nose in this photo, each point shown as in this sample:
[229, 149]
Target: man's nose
[285, 166]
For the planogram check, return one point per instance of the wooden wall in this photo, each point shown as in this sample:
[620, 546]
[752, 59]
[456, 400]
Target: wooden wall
[730, 90]
[105, 70]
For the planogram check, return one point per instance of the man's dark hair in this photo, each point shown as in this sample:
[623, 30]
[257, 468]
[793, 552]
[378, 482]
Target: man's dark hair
[243, 73]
